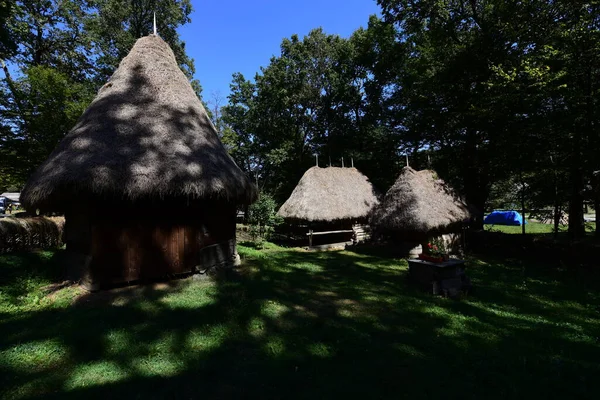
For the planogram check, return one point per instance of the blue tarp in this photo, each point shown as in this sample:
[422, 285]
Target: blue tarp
[504, 218]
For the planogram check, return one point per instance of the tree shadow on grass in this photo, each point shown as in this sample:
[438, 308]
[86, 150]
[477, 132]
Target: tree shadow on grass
[300, 325]
[20, 272]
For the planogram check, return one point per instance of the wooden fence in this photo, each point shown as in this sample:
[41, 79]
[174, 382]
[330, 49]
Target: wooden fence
[18, 234]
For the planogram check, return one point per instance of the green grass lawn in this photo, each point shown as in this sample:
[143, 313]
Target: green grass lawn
[535, 228]
[301, 325]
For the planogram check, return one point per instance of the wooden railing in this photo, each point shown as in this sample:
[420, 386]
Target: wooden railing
[310, 234]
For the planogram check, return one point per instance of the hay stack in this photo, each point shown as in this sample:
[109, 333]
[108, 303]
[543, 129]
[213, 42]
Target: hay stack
[420, 203]
[30, 233]
[330, 194]
[146, 135]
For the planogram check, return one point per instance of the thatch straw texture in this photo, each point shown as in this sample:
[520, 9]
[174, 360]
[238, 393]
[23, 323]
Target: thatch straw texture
[420, 202]
[330, 194]
[145, 135]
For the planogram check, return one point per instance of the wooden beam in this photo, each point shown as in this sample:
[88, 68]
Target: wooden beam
[311, 233]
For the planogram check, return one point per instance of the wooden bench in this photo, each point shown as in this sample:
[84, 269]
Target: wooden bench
[311, 233]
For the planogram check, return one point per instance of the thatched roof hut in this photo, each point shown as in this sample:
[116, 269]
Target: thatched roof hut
[330, 194]
[420, 203]
[147, 188]
[145, 135]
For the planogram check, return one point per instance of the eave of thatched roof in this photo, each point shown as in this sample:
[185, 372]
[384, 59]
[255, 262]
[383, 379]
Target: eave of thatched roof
[420, 202]
[145, 135]
[330, 194]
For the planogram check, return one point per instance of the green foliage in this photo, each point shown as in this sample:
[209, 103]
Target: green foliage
[52, 34]
[493, 95]
[322, 96]
[263, 218]
[42, 107]
[498, 90]
[118, 24]
[7, 42]
[436, 247]
[55, 55]
[24, 275]
[238, 132]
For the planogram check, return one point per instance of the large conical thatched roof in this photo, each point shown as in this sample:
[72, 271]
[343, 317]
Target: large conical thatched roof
[145, 135]
[420, 202]
[330, 194]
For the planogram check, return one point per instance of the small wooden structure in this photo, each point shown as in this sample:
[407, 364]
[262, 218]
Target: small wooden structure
[146, 186]
[447, 278]
[311, 233]
[330, 205]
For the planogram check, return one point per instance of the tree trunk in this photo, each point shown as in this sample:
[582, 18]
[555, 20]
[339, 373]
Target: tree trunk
[556, 206]
[522, 197]
[476, 185]
[596, 194]
[597, 208]
[576, 227]
[592, 146]
[523, 207]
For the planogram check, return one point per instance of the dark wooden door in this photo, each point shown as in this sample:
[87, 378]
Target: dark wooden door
[124, 254]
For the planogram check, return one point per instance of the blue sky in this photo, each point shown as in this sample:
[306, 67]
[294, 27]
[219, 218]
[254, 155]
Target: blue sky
[227, 36]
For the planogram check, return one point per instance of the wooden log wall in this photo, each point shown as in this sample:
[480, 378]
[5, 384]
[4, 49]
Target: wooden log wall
[144, 242]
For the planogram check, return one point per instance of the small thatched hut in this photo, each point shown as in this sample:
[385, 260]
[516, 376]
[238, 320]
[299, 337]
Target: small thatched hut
[419, 205]
[147, 188]
[330, 199]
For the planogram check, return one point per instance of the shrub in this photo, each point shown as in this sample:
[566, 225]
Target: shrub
[30, 233]
[437, 247]
[262, 217]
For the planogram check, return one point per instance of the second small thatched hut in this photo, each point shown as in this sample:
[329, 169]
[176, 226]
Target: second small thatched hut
[330, 199]
[420, 205]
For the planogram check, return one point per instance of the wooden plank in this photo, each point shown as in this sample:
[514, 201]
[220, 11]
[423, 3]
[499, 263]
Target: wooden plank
[181, 267]
[311, 233]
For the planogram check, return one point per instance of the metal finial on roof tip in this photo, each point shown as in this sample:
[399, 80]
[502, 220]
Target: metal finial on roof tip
[407, 160]
[154, 24]
[342, 162]
[317, 158]
[352, 161]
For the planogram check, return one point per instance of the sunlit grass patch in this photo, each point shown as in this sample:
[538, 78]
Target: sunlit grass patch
[35, 355]
[162, 364]
[275, 346]
[273, 309]
[308, 266]
[257, 327]
[95, 374]
[206, 338]
[533, 227]
[319, 349]
[190, 295]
